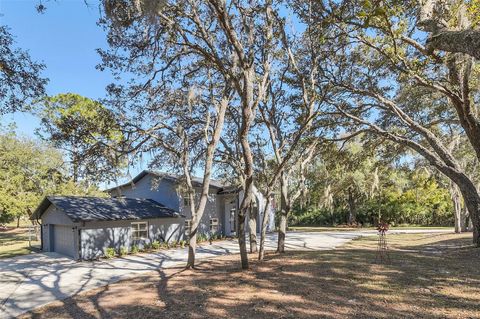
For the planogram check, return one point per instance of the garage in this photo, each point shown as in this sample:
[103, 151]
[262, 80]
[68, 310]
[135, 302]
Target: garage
[85, 227]
[63, 240]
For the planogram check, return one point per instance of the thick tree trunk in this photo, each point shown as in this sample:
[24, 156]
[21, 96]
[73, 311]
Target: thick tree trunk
[472, 202]
[265, 220]
[252, 228]
[352, 213]
[284, 210]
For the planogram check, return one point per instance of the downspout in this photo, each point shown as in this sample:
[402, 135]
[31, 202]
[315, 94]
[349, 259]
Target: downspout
[79, 248]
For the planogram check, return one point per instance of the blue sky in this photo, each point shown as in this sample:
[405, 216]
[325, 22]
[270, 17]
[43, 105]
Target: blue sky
[65, 39]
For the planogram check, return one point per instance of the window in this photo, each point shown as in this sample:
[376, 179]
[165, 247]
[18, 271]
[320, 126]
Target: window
[214, 225]
[188, 226]
[139, 230]
[186, 200]
[233, 224]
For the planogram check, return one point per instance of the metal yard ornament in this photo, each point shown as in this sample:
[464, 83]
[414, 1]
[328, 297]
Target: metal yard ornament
[382, 255]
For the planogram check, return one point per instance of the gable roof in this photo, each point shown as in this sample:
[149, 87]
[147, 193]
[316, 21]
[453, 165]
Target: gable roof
[197, 181]
[83, 209]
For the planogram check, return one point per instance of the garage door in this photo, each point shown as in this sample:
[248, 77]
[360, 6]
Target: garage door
[63, 240]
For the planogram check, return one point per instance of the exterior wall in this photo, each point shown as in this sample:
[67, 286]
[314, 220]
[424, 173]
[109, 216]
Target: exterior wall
[211, 211]
[165, 192]
[161, 190]
[51, 217]
[261, 202]
[96, 237]
[55, 216]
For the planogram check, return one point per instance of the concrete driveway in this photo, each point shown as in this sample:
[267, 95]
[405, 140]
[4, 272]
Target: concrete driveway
[27, 282]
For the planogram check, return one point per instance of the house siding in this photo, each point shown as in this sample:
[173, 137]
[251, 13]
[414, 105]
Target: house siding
[52, 217]
[165, 192]
[96, 237]
[211, 211]
[161, 190]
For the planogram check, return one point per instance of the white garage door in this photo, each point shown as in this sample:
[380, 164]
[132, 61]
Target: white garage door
[63, 240]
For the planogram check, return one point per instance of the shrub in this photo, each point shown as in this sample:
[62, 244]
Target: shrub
[110, 252]
[201, 238]
[123, 251]
[182, 243]
[147, 247]
[135, 249]
[156, 245]
[173, 243]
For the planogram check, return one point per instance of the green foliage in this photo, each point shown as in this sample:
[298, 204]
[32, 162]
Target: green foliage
[123, 251]
[420, 201]
[30, 171]
[367, 182]
[202, 238]
[135, 249]
[110, 252]
[156, 245]
[182, 243]
[87, 131]
[20, 79]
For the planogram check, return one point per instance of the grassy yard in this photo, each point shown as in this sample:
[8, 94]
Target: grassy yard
[346, 228]
[14, 241]
[430, 276]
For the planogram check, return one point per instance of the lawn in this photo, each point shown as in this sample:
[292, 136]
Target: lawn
[347, 228]
[14, 241]
[429, 276]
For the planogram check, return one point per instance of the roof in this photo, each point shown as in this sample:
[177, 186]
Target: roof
[233, 189]
[197, 181]
[84, 209]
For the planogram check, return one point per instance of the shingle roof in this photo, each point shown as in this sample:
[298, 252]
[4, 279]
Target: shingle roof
[197, 181]
[97, 209]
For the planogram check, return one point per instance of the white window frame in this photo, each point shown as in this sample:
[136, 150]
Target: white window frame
[233, 220]
[188, 226]
[213, 225]
[136, 231]
[186, 200]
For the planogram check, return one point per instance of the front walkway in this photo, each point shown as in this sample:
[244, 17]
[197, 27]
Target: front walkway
[30, 281]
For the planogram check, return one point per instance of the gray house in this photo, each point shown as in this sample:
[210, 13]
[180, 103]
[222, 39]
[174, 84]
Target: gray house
[151, 207]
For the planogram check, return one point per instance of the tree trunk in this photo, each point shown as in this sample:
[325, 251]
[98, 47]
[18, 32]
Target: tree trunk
[284, 210]
[457, 212]
[247, 118]
[265, 220]
[252, 228]
[352, 214]
[472, 202]
[197, 211]
[192, 246]
[18, 221]
[464, 220]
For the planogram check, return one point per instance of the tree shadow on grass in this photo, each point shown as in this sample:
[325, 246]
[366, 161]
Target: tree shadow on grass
[344, 283]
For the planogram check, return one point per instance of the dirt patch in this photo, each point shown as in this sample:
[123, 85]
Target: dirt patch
[345, 283]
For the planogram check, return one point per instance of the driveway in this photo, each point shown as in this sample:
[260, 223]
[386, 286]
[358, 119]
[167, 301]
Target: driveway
[27, 282]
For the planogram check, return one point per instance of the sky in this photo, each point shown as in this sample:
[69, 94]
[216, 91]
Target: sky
[65, 38]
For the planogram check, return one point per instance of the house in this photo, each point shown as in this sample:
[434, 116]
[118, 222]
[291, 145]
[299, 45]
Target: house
[220, 215]
[84, 227]
[151, 207]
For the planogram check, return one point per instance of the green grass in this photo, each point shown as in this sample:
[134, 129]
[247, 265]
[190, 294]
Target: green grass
[14, 242]
[328, 229]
